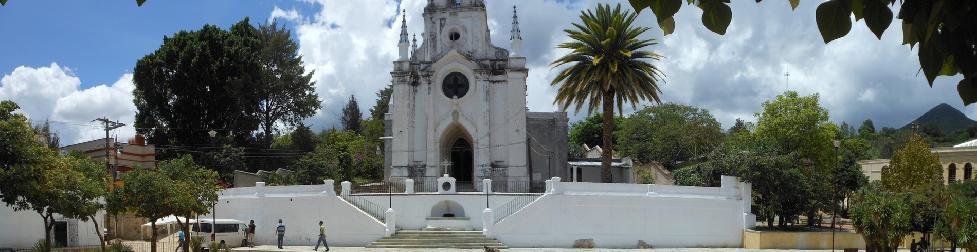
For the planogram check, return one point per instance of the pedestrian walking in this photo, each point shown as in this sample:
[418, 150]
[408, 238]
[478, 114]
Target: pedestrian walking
[182, 238]
[251, 228]
[280, 231]
[322, 237]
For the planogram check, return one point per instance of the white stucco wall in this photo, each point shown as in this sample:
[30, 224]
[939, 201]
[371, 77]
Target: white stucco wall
[618, 215]
[21, 229]
[412, 210]
[614, 215]
[300, 208]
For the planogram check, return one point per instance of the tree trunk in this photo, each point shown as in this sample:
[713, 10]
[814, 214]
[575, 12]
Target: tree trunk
[98, 231]
[608, 137]
[152, 241]
[48, 225]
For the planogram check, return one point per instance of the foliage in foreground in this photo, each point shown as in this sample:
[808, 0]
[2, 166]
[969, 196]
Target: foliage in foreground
[943, 30]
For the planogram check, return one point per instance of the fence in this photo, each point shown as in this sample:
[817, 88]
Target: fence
[429, 184]
[361, 202]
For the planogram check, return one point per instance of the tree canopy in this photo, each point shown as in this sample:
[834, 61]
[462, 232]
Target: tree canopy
[352, 116]
[669, 134]
[913, 169]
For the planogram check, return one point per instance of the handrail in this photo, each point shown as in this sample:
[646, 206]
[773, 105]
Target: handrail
[377, 211]
[518, 202]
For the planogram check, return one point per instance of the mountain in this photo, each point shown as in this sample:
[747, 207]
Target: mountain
[944, 116]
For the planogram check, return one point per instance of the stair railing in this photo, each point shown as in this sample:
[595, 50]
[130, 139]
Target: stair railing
[518, 202]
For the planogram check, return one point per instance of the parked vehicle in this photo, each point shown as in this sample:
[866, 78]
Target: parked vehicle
[230, 231]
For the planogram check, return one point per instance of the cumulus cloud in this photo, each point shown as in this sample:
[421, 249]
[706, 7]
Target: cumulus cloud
[351, 46]
[52, 93]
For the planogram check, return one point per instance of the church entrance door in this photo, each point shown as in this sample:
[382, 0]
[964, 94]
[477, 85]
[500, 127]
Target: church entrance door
[462, 163]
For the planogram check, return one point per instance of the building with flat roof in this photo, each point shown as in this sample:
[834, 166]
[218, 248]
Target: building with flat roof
[957, 162]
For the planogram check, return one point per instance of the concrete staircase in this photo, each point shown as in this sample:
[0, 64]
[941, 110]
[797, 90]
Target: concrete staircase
[437, 239]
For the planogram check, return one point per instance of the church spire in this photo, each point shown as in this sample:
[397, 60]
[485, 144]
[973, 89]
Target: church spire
[403, 38]
[413, 46]
[515, 35]
[403, 28]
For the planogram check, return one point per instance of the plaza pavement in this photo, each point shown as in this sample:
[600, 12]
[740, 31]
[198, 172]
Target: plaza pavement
[266, 248]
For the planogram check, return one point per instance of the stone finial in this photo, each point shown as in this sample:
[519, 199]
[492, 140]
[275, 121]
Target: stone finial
[404, 44]
[515, 36]
[403, 28]
[515, 33]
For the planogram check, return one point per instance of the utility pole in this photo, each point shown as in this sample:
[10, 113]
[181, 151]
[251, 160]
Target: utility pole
[109, 125]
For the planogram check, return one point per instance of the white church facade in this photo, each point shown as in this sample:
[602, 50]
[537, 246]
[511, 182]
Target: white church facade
[459, 105]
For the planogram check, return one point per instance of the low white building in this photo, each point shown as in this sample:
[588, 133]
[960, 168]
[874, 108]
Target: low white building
[22, 229]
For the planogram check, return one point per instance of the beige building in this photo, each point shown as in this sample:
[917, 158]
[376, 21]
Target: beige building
[125, 157]
[958, 163]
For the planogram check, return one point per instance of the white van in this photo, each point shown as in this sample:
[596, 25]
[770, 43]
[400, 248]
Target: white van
[231, 231]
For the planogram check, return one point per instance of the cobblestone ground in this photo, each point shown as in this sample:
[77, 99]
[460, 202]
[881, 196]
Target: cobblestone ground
[360, 249]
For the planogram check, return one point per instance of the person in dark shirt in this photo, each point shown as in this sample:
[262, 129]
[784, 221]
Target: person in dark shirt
[251, 228]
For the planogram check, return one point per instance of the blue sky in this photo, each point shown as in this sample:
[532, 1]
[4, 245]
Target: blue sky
[100, 40]
[70, 61]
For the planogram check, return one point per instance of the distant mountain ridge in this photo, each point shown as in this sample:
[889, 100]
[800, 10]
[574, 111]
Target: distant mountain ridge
[944, 116]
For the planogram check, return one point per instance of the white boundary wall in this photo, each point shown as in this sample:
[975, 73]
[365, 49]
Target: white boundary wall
[412, 210]
[21, 229]
[618, 215]
[300, 208]
[614, 215]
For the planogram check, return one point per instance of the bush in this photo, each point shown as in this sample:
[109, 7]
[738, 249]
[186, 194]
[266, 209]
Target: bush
[688, 176]
[41, 246]
[118, 247]
[645, 176]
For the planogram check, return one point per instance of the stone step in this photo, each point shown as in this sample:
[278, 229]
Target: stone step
[438, 236]
[454, 246]
[437, 232]
[437, 239]
[416, 241]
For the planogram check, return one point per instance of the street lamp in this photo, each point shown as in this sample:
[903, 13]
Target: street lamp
[834, 193]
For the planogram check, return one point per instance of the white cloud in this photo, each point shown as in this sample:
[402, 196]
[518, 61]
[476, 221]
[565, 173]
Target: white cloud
[53, 93]
[290, 15]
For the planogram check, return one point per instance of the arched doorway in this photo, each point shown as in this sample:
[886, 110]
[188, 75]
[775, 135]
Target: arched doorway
[461, 158]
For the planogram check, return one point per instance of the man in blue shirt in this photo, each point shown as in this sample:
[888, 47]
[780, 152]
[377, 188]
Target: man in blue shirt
[280, 231]
[183, 238]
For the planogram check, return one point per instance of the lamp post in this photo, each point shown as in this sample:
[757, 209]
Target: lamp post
[390, 197]
[834, 193]
[213, 209]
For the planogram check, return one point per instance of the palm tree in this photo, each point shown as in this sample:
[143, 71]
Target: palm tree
[606, 64]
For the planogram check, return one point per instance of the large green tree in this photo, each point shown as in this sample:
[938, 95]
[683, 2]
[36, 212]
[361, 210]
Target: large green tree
[287, 93]
[798, 125]
[606, 66]
[198, 81]
[669, 134]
